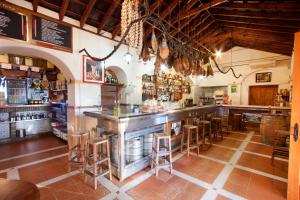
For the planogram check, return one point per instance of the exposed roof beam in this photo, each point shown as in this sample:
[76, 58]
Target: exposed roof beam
[259, 27]
[108, 14]
[278, 15]
[262, 22]
[263, 6]
[163, 15]
[63, 9]
[204, 6]
[251, 36]
[35, 4]
[187, 22]
[263, 47]
[87, 12]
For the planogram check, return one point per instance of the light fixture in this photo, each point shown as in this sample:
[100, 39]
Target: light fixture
[128, 56]
[201, 77]
[163, 67]
[218, 54]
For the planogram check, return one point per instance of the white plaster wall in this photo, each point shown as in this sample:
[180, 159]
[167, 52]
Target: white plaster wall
[243, 59]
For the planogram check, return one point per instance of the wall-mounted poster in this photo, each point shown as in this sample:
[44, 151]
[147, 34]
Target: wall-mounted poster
[233, 88]
[263, 77]
[93, 71]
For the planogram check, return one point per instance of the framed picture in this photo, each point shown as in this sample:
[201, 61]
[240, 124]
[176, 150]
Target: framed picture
[263, 77]
[93, 71]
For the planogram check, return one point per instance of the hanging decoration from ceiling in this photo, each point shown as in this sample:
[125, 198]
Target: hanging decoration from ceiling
[129, 13]
[181, 55]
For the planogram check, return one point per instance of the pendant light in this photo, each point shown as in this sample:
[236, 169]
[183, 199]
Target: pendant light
[128, 56]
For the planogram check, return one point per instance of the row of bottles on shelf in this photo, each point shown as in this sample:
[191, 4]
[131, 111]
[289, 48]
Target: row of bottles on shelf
[28, 116]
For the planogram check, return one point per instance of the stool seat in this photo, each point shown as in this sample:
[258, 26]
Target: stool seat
[97, 155]
[204, 122]
[217, 127]
[161, 152]
[202, 125]
[77, 146]
[188, 131]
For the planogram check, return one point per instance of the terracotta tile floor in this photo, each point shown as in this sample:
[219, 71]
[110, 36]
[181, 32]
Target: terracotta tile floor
[254, 186]
[218, 153]
[257, 138]
[29, 146]
[2, 175]
[166, 186]
[280, 168]
[228, 142]
[44, 171]
[32, 158]
[61, 185]
[200, 168]
[72, 188]
[259, 148]
[237, 135]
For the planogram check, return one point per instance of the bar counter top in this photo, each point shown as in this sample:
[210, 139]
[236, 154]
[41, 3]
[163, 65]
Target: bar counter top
[24, 106]
[256, 107]
[126, 115]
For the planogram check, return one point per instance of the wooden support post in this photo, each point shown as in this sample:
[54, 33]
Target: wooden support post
[294, 159]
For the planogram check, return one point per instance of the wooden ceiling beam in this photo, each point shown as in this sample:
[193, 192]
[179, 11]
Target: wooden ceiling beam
[113, 6]
[278, 15]
[191, 27]
[204, 7]
[259, 27]
[263, 47]
[87, 12]
[35, 4]
[63, 9]
[292, 6]
[261, 22]
[163, 15]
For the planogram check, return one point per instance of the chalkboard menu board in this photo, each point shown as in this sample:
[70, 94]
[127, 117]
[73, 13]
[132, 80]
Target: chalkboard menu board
[12, 25]
[51, 34]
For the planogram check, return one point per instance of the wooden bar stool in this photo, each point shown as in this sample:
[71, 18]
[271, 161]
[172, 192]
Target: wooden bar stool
[188, 131]
[96, 158]
[225, 124]
[77, 145]
[217, 128]
[203, 124]
[161, 151]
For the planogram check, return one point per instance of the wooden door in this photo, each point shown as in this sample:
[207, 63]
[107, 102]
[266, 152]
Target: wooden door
[294, 160]
[109, 94]
[262, 95]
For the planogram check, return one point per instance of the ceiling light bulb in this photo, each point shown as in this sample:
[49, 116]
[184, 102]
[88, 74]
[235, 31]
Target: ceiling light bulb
[163, 67]
[128, 57]
[218, 54]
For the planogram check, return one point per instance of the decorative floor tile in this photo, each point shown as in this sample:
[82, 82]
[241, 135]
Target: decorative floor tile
[166, 186]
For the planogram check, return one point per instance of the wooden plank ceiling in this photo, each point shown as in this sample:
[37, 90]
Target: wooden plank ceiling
[267, 25]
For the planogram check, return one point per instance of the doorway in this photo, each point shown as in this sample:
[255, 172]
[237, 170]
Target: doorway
[262, 95]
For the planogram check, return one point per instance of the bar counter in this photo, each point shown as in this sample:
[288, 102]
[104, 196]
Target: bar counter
[128, 126]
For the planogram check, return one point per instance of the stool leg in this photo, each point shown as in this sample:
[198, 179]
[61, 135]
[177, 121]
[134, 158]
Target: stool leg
[170, 155]
[153, 152]
[95, 165]
[182, 141]
[209, 137]
[197, 141]
[108, 160]
[157, 156]
[188, 142]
